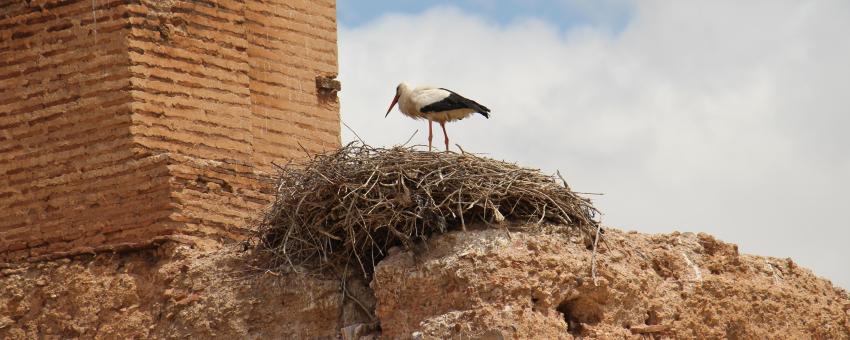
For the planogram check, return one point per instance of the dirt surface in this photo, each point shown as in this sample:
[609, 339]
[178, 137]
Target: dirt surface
[489, 285]
[482, 284]
[173, 292]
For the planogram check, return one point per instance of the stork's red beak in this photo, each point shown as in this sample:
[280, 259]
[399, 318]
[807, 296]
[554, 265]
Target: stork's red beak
[395, 100]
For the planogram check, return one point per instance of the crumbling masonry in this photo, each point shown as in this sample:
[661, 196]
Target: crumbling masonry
[123, 122]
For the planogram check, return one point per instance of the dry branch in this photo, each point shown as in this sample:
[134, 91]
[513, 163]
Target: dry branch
[350, 206]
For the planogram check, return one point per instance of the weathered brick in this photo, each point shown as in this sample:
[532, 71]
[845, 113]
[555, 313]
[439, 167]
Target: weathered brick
[149, 118]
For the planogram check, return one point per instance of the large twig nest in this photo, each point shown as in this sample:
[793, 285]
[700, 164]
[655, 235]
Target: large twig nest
[350, 206]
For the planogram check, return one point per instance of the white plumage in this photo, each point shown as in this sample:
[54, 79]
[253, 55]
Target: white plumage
[435, 104]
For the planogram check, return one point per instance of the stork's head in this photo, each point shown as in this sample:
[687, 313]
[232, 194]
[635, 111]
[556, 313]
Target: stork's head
[398, 90]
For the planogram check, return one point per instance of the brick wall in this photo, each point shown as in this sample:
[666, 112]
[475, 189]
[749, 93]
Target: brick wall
[122, 121]
[288, 46]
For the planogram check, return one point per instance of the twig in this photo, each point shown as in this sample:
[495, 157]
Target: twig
[410, 138]
[352, 131]
[303, 149]
[348, 295]
[462, 152]
[563, 181]
[593, 256]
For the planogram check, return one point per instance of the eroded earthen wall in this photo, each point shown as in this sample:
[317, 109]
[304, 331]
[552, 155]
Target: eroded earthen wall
[127, 120]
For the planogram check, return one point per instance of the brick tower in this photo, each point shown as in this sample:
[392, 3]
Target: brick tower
[123, 122]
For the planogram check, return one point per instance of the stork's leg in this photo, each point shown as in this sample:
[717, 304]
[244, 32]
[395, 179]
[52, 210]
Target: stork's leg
[430, 133]
[443, 125]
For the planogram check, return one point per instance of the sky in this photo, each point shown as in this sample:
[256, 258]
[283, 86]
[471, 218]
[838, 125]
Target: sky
[724, 117]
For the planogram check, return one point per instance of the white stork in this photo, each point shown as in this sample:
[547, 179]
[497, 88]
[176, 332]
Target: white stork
[435, 104]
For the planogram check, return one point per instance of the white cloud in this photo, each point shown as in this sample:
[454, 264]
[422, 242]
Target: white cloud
[725, 117]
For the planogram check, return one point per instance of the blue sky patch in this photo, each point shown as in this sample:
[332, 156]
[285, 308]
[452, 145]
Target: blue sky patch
[610, 15]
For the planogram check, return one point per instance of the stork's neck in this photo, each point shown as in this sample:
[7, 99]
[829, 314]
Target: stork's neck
[403, 89]
[404, 93]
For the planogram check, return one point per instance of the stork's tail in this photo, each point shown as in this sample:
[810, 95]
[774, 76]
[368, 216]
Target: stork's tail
[484, 111]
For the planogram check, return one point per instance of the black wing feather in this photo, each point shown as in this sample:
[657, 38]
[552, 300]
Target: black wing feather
[455, 101]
